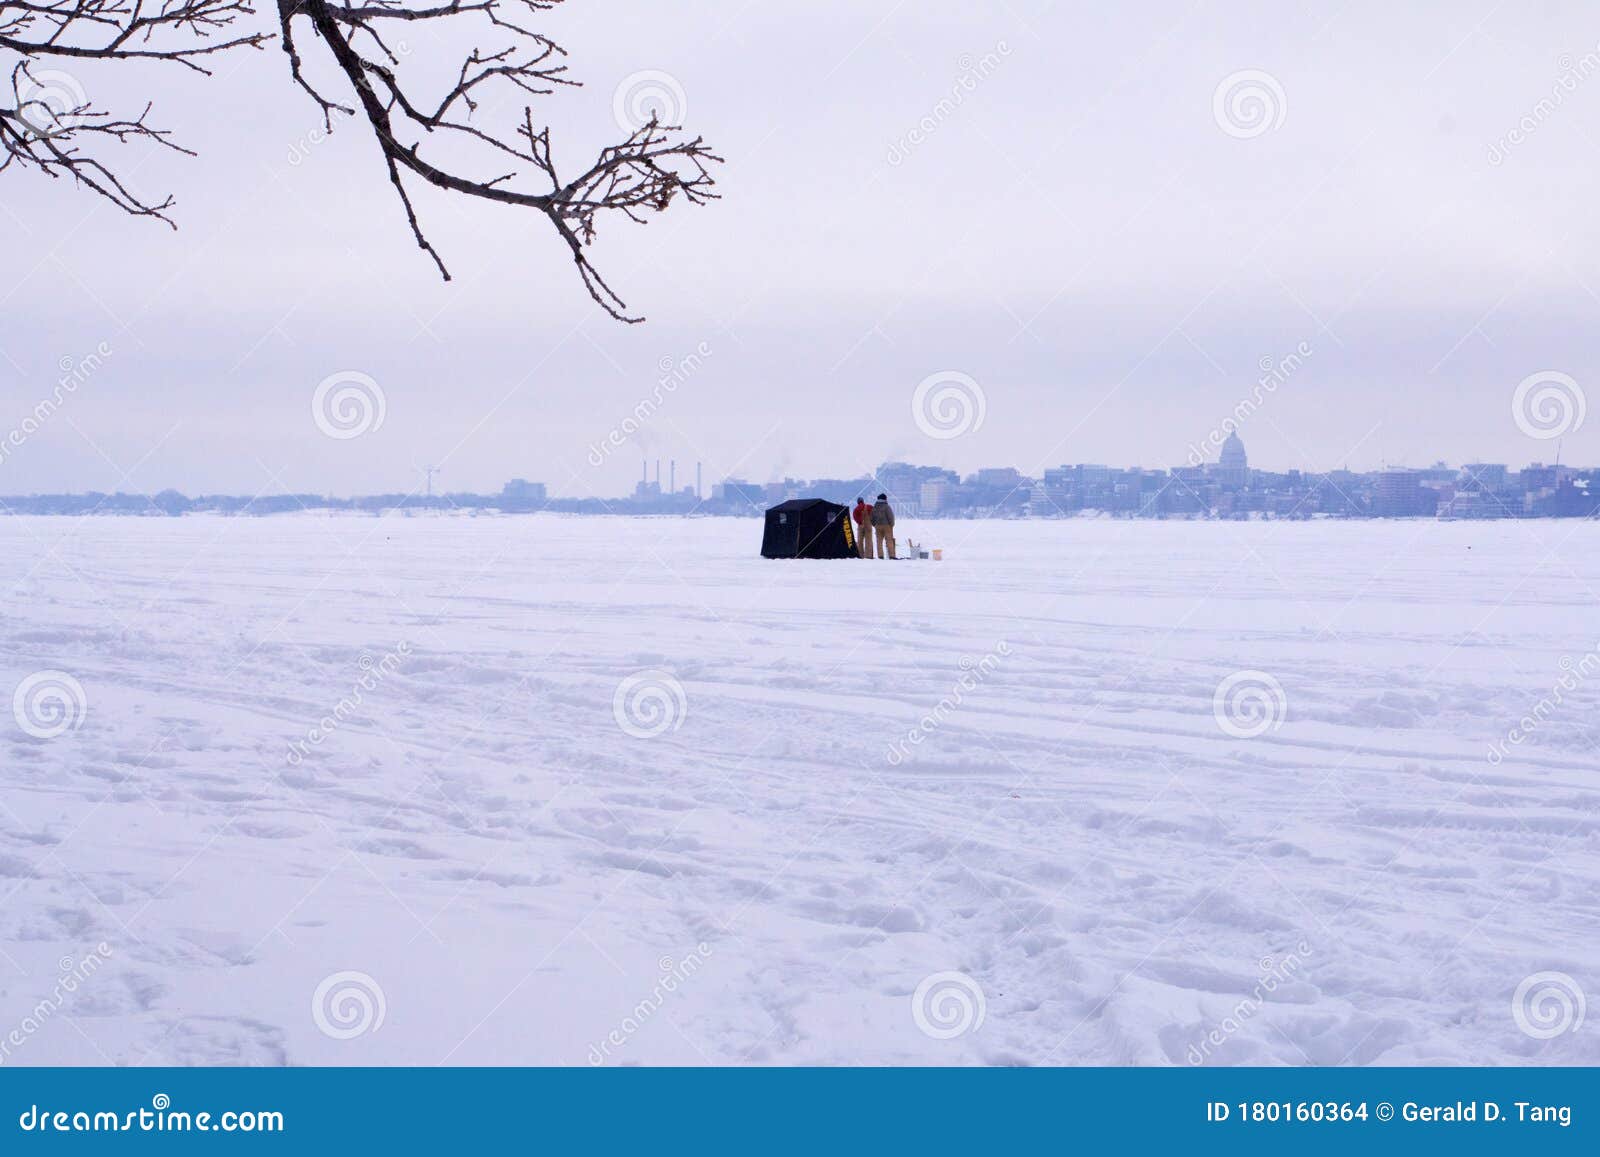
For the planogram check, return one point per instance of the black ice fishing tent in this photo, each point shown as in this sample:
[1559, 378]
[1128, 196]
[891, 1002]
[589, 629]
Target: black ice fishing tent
[809, 528]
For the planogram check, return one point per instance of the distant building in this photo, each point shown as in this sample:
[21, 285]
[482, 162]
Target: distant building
[842, 490]
[646, 490]
[1232, 471]
[1187, 491]
[1402, 495]
[739, 496]
[1085, 485]
[1473, 504]
[1569, 499]
[1000, 477]
[520, 494]
[997, 490]
[777, 492]
[902, 482]
[1537, 477]
[933, 493]
[1483, 476]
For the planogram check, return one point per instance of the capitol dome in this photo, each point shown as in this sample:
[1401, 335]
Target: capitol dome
[1233, 454]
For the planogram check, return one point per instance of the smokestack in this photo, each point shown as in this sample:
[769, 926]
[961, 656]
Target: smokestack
[672, 484]
[697, 481]
[644, 472]
[658, 474]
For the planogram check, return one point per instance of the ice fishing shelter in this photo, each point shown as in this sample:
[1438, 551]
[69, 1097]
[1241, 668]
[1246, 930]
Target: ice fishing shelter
[809, 528]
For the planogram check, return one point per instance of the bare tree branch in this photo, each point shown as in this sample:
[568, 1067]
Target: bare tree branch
[48, 122]
[444, 137]
[638, 177]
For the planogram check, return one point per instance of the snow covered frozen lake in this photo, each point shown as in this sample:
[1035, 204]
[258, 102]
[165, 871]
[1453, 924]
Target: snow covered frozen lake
[500, 790]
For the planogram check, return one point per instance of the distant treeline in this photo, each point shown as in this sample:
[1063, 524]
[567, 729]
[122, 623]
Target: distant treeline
[170, 503]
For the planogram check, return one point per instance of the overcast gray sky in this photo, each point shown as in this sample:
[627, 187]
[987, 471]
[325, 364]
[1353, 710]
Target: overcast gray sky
[1081, 228]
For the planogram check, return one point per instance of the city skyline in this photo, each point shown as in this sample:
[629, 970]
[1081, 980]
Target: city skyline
[1228, 487]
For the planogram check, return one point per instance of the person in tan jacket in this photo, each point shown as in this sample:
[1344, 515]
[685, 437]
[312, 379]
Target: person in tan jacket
[883, 524]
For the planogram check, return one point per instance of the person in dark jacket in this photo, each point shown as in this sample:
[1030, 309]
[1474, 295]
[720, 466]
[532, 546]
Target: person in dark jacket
[883, 524]
[862, 514]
